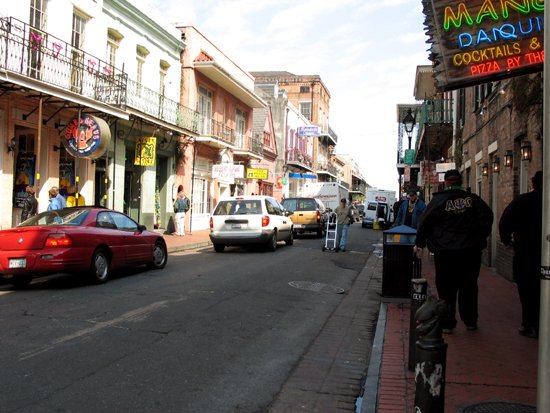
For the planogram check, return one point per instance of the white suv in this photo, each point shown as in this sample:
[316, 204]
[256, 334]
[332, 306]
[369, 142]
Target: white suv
[250, 220]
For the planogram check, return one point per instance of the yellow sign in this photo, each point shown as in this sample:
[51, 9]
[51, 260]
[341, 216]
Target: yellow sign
[146, 151]
[256, 173]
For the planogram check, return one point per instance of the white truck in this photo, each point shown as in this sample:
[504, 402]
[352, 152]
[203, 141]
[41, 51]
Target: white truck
[330, 193]
[378, 200]
[381, 195]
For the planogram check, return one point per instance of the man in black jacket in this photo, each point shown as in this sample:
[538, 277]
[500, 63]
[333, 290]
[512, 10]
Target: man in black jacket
[523, 218]
[455, 227]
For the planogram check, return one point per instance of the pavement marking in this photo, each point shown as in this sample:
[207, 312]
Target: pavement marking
[133, 315]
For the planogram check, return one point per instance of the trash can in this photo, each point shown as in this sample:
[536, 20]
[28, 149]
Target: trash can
[400, 264]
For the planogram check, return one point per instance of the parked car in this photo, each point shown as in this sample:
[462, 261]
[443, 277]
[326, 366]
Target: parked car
[83, 240]
[309, 215]
[250, 220]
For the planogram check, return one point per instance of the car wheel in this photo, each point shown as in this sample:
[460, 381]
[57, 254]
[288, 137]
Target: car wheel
[364, 225]
[219, 247]
[290, 240]
[160, 257]
[21, 281]
[99, 269]
[272, 243]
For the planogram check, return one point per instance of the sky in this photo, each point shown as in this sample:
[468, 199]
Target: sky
[366, 53]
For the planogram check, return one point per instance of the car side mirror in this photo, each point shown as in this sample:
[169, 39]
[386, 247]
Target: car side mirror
[289, 213]
[142, 228]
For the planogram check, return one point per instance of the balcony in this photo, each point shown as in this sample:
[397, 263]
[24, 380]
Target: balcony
[435, 114]
[160, 107]
[360, 188]
[295, 157]
[327, 168]
[216, 134]
[28, 54]
[249, 146]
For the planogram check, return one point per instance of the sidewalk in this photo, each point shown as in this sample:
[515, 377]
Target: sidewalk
[493, 363]
[190, 241]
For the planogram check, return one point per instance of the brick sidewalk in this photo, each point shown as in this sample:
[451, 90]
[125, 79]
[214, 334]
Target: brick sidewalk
[493, 363]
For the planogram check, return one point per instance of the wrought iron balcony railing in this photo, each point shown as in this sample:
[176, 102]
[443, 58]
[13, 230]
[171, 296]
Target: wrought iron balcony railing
[215, 129]
[249, 144]
[360, 188]
[30, 52]
[152, 103]
[434, 111]
[328, 167]
[296, 155]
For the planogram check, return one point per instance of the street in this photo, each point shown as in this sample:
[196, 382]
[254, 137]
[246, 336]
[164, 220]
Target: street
[212, 332]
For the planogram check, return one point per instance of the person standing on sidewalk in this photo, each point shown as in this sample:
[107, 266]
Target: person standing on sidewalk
[527, 251]
[181, 206]
[455, 227]
[344, 220]
[409, 214]
[30, 205]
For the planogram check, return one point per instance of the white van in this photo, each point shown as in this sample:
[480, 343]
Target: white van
[370, 213]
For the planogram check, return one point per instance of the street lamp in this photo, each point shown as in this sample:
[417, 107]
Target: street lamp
[526, 153]
[409, 122]
[508, 158]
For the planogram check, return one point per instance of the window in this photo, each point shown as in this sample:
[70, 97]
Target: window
[124, 223]
[304, 89]
[305, 109]
[164, 66]
[38, 14]
[113, 42]
[204, 107]
[79, 24]
[240, 127]
[199, 196]
[104, 220]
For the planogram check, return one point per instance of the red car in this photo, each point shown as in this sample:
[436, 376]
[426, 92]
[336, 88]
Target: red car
[83, 240]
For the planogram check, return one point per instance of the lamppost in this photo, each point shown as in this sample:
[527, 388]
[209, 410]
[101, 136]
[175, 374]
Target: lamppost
[409, 122]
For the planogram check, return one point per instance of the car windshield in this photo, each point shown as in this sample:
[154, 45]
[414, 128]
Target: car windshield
[239, 207]
[293, 204]
[372, 207]
[67, 216]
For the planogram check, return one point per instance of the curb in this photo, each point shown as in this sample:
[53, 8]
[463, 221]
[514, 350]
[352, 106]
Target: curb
[187, 247]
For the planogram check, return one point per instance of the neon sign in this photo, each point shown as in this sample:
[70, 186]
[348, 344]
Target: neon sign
[480, 41]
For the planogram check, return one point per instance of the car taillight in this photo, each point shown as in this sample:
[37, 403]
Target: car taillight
[211, 223]
[265, 221]
[318, 216]
[58, 240]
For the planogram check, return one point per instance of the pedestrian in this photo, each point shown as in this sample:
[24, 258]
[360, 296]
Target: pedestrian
[74, 198]
[455, 227]
[54, 202]
[345, 219]
[409, 214]
[30, 205]
[396, 206]
[527, 246]
[181, 206]
[60, 198]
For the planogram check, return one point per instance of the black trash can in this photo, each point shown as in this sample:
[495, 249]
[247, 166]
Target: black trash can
[400, 264]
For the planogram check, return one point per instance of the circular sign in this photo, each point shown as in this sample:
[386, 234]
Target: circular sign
[90, 139]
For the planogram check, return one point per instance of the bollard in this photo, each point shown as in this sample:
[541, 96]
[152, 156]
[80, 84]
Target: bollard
[419, 292]
[431, 357]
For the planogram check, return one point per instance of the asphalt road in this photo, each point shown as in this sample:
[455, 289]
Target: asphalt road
[210, 333]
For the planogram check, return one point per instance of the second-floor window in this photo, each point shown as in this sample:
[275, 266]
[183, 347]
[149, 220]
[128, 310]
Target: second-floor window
[38, 14]
[305, 109]
[240, 127]
[204, 107]
[79, 25]
[113, 43]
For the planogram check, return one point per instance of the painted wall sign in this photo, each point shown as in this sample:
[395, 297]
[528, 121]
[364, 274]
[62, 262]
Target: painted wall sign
[227, 171]
[256, 173]
[90, 140]
[66, 176]
[480, 41]
[146, 151]
[308, 131]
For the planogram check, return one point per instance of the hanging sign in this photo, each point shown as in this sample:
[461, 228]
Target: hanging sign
[409, 156]
[407, 176]
[481, 41]
[308, 130]
[256, 173]
[146, 151]
[89, 140]
[24, 176]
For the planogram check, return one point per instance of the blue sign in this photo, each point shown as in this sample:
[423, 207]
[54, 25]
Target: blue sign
[308, 130]
[307, 176]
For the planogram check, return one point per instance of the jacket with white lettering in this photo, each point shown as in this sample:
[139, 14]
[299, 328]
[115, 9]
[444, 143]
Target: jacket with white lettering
[454, 220]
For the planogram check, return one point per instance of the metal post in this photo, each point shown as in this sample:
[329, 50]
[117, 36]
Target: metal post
[419, 292]
[431, 357]
[543, 396]
[192, 185]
